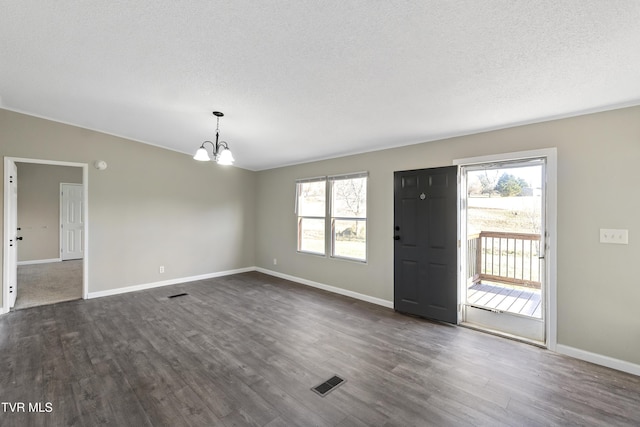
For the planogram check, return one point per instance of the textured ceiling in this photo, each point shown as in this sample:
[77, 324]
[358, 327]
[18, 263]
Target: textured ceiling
[305, 80]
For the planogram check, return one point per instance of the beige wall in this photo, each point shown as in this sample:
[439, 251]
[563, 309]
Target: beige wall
[39, 208]
[598, 156]
[150, 207]
[153, 206]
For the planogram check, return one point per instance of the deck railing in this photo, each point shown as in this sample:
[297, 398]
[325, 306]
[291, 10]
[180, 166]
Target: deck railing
[504, 257]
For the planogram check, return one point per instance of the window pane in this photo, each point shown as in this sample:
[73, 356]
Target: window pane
[349, 198]
[350, 239]
[311, 235]
[311, 198]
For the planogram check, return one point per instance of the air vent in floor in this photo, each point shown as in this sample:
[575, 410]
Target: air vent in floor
[178, 295]
[329, 385]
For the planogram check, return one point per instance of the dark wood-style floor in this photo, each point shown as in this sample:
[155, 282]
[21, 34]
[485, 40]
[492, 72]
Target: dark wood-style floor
[247, 349]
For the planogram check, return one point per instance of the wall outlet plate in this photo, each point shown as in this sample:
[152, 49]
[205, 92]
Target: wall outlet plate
[615, 236]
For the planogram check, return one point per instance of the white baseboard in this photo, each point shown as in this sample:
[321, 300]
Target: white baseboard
[335, 290]
[176, 281]
[599, 359]
[39, 261]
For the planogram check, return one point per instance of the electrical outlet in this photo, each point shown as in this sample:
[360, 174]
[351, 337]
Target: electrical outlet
[275, 261]
[615, 236]
[161, 269]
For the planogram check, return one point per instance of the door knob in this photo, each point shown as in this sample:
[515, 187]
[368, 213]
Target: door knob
[19, 238]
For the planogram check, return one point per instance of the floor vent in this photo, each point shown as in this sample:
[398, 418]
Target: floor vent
[178, 295]
[329, 385]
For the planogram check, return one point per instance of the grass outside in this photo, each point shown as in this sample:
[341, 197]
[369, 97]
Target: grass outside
[512, 214]
[354, 248]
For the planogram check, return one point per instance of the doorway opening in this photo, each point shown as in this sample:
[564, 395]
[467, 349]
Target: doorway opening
[504, 279]
[43, 264]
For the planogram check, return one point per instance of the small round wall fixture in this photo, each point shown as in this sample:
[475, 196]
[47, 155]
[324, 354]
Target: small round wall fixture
[100, 165]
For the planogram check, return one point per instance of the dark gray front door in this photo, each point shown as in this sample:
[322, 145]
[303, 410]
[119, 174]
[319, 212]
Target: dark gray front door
[425, 253]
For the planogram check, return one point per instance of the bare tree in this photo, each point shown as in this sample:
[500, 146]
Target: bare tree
[353, 193]
[488, 181]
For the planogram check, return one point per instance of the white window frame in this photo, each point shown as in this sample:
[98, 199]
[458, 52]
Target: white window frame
[299, 217]
[332, 219]
[329, 219]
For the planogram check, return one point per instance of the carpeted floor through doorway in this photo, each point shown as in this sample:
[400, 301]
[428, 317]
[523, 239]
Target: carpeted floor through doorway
[50, 283]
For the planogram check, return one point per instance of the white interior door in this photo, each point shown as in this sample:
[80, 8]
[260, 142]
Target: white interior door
[12, 252]
[71, 221]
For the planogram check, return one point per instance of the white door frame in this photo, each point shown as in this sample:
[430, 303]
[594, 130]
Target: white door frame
[5, 258]
[12, 236]
[551, 229]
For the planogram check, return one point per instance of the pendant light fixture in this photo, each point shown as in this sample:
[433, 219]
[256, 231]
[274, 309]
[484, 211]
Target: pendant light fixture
[220, 149]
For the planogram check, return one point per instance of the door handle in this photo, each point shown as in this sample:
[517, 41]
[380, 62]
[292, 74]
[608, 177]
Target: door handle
[396, 237]
[19, 238]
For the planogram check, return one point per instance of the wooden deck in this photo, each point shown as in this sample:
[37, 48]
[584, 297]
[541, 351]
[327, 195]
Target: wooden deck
[508, 298]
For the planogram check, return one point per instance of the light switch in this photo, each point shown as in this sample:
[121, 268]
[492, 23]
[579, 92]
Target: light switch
[615, 236]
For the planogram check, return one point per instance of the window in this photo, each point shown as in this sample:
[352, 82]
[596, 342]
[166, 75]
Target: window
[339, 226]
[310, 204]
[349, 217]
